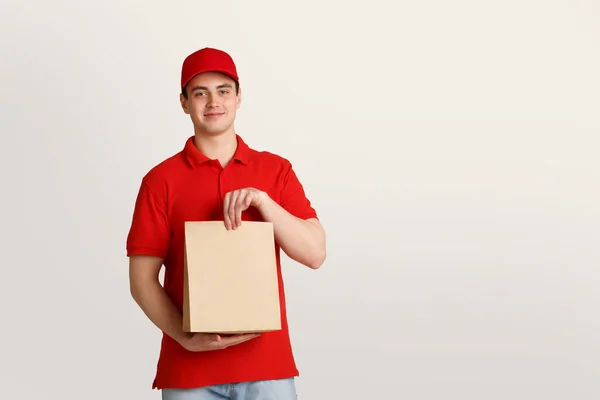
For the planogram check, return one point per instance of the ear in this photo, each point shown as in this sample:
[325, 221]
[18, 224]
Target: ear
[238, 100]
[183, 102]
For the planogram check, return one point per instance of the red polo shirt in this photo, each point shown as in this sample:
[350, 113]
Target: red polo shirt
[190, 187]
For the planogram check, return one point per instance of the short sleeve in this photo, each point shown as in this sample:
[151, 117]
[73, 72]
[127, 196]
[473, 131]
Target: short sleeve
[293, 198]
[150, 232]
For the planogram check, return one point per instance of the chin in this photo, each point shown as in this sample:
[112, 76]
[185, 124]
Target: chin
[213, 131]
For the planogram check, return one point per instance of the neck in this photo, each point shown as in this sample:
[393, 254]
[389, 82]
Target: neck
[220, 147]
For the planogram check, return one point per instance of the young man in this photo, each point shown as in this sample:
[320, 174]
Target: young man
[216, 176]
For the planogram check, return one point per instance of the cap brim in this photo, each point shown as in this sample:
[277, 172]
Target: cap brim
[227, 73]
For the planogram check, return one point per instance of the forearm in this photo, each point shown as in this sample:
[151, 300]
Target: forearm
[302, 240]
[158, 307]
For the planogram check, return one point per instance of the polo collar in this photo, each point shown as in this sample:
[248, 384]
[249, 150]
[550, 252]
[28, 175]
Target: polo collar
[195, 157]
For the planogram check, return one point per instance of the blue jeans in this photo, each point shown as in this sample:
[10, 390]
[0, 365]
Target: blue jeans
[281, 389]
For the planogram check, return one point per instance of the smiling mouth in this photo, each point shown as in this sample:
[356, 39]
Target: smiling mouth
[213, 115]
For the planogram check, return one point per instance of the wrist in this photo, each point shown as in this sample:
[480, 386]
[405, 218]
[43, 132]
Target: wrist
[181, 337]
[263, 200]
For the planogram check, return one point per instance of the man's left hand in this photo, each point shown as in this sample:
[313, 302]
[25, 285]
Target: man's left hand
[236, 202]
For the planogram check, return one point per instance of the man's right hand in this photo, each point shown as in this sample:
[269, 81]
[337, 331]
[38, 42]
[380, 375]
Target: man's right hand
[208, 342]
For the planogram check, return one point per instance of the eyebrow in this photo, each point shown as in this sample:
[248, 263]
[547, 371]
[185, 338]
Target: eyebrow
[224, 85]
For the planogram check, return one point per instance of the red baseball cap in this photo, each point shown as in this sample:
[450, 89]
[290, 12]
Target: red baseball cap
[205, 60]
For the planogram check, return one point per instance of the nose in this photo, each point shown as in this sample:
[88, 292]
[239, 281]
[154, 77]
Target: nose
[211, 101]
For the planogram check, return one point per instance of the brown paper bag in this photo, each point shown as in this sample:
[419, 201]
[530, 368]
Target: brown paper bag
[230, 278]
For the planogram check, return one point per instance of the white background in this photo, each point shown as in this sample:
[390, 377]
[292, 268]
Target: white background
[450, 148]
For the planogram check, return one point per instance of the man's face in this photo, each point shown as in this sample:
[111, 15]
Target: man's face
[212, 103]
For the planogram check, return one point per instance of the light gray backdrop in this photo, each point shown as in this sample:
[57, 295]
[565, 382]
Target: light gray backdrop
[451, 149]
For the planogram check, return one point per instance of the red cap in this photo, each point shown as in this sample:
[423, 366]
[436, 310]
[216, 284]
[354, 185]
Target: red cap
[205, 60]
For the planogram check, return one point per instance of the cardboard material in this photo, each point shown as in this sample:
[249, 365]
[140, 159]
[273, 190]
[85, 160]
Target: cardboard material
[230, 278]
